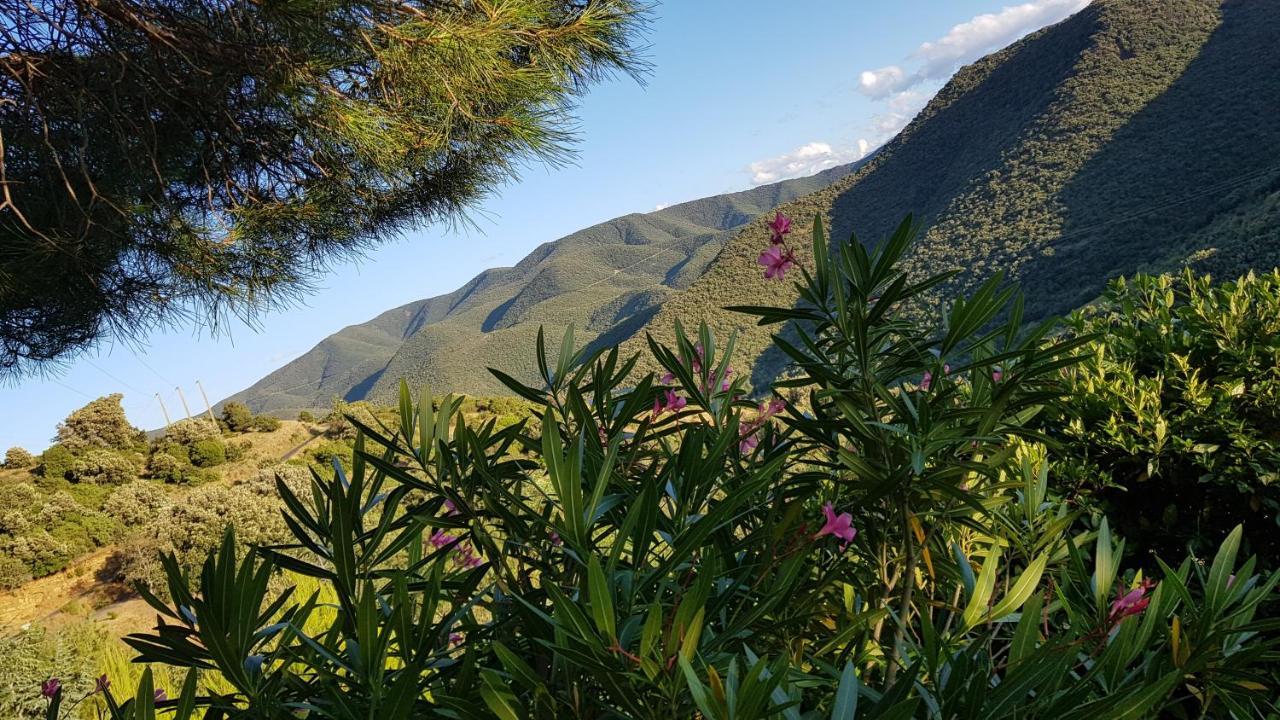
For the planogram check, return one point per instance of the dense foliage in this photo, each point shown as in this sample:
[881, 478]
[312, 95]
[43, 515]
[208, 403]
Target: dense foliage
[1174, 423]
[170, 158]
[892, 544]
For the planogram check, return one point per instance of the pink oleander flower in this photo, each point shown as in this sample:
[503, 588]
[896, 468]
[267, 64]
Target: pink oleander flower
[840, 526]
[667, 379]
[1132, 602]
[748, 443]
[102, 684]
[555, 539]
[773, 407]
[776, 262]
[926, 381]
[450, 507]
[50, 687]
[441, 538]
[668, 402]
[996, 376]
[455, 638]
[161, 696]
[779, 226]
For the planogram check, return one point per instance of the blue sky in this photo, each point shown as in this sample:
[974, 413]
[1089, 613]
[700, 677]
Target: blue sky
[742, 92]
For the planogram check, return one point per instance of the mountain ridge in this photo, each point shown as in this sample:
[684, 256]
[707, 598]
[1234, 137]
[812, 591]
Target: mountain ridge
[681, 240]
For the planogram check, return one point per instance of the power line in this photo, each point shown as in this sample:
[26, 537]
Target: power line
[153, 370]
[68, 387]
[95, 366]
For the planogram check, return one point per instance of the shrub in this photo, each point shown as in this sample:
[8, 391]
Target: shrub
[238, 449]
[16, 458]
[1173, 423]
[237, 416]
[103, 467]
[165, 467]
[135, 504]
[306, 417]
[189, 431]
[100, 424]
[56, 462]
[188, 529]
[266, 423]
[209, 452]
[895, 550]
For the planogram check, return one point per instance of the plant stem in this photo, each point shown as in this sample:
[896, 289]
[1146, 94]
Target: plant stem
[909, 550]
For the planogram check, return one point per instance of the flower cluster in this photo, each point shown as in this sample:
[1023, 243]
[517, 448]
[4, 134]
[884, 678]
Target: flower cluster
[1132, 602]
[778, 258]
[463, 553]
[749, 431]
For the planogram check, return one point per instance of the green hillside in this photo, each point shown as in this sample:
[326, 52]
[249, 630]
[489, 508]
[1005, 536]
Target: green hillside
[607, 279]
[1135, 135]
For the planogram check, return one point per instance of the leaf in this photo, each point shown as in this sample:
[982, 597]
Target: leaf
[601, 599]
[1022, 589]
[846, 705]
[976, 610]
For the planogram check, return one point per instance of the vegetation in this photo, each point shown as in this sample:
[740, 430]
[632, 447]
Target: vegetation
[138, 135]
[16, 458]
[606, 280]
[898, 544]
[1173, 423]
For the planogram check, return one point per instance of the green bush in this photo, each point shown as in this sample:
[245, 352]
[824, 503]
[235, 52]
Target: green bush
[237, 416]
[189, 431]
[894, 548]
[238, 449]
[1174, 424]
[135, 504]
[101, 424]
[266, 423]
[306, 417]
[16, 458]
[103, 467]
[208, 453]
[189, 528]
[164, 466]
[56, 462]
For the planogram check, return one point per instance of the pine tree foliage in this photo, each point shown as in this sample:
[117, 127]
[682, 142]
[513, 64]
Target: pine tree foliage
[168, 160]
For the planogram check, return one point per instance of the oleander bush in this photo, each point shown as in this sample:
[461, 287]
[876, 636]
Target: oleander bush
[884, 536]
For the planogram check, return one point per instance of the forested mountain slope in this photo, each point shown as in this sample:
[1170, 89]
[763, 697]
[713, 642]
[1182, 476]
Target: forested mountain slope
[1135, 135]
[607, 279]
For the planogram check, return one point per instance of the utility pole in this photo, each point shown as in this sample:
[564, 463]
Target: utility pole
[183, 398]
[207, 406]
[163, 409]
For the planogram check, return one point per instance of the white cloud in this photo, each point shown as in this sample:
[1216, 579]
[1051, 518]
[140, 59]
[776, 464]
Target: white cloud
[805, 160]
[661, 206]
[881, 83]
[991, 31]
[906, 91]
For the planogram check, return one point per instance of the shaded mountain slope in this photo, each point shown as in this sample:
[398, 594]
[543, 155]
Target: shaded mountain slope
[1135, 135]
[607, 279]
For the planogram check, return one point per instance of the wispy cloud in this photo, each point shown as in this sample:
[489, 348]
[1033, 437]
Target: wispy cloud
[938, 59]
[905, 88]
[805, 160]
